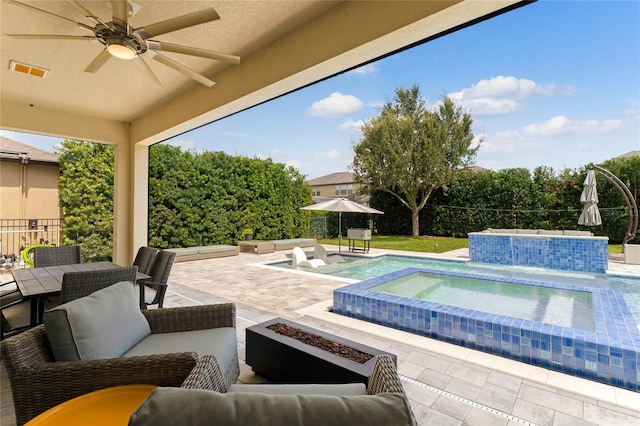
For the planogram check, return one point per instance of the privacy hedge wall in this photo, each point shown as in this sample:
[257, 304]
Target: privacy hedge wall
[210, 198]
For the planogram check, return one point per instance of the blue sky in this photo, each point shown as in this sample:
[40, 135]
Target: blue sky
[554, 83]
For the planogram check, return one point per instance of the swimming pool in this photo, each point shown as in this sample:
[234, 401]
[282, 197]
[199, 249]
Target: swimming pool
[358, 268]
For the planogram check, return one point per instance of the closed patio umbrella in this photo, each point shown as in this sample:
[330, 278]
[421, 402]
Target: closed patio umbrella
[341, 205]
[590, 215]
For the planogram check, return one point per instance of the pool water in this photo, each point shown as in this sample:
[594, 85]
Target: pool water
[567, 308]
[359, 268]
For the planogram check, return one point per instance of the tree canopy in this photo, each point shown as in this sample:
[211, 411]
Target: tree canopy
[409, 151]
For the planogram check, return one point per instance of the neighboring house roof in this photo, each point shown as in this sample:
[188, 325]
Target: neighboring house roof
[332, 179]
[16, 151]
[630, 154]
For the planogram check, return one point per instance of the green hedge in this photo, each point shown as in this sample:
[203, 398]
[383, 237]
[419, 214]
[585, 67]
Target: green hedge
[515, 198]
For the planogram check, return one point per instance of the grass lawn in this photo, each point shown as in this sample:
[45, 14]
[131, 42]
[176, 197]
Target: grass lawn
[424, 243]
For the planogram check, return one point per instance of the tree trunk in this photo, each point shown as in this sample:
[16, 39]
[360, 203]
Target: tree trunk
[415, 222]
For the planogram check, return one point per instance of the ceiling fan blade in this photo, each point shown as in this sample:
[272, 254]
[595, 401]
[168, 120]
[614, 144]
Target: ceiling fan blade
[86, 13]
[51, 37]
[53, 15]
[193, 51]
[177, 23]
[144, 68]
[184, 70]
[120, 11]
[99, 61]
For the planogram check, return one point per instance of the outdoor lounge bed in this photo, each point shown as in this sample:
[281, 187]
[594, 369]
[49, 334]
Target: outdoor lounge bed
[185, 254]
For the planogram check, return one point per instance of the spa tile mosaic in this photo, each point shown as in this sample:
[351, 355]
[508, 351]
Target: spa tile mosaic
[610, 355]
[588, 254]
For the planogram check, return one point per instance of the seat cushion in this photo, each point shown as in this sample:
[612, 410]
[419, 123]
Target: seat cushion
[105, 324]
[302, 389]
[172, 406]
[220, 342]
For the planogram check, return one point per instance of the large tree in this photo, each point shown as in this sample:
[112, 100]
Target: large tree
[408, 151]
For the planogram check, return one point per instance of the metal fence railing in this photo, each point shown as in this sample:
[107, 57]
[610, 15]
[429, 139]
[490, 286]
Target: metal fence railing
[16, 234]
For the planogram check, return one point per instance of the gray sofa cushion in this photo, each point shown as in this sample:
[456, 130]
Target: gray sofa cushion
[103, 325]
[220, 342]
[302, 389]
[171, 406]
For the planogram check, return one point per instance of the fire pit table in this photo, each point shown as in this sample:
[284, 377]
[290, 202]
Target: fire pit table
[283, 359]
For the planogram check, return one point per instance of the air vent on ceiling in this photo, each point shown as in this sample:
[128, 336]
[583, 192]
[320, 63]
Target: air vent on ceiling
[28, 69]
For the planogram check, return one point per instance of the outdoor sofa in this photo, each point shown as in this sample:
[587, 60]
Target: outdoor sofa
[185, 254]
[382, 402]
[104, 340]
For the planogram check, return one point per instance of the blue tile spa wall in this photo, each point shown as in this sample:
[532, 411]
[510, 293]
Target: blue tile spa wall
[584, 254]
[609, 355]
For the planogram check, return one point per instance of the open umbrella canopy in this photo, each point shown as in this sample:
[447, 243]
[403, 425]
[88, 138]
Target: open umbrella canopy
[341, 205]
[590, 215]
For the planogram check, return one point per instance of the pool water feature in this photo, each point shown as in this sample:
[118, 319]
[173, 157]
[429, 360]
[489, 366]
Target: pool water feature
[609, 354]
[567, 308]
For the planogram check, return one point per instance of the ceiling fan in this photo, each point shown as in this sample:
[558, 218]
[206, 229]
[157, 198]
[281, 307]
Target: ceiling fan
[125, 42]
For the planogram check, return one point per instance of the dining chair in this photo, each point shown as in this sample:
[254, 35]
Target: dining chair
[144, 259]
[80, 284]
[15, 312]
[53, 256]
[156, 286]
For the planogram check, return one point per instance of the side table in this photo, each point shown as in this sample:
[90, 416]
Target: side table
[256, 247]
[110, 406]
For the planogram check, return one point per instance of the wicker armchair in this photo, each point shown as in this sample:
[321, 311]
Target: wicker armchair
[52, 256]
[39, 383]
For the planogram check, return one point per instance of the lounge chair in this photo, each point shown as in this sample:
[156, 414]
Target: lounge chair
[319, 252]
[298, 258]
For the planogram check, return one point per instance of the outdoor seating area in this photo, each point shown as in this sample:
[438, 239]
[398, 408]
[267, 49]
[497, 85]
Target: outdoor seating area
[105, 340]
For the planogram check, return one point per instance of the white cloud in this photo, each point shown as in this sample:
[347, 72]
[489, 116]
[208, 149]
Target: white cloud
[334, 153]
[350, 125]
[295, 164]
[491, 106]
[497, 95]
[504, 86]
[335, 105]
[561, 125]
[365, 69]
[184, 144]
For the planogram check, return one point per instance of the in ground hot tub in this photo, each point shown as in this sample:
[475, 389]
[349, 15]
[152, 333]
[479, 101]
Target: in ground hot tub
[545, 324]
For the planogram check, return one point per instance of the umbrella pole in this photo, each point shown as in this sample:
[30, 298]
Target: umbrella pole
[339, 232]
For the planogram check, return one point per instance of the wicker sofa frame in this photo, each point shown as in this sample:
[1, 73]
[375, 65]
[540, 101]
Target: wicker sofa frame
[39, 383]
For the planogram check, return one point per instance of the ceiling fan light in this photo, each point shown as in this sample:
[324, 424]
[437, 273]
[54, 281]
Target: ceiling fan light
[121, 51]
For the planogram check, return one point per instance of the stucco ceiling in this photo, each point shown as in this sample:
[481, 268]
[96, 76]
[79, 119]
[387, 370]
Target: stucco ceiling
[283, 45]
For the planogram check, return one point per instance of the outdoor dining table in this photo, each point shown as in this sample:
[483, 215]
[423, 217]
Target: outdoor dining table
[36, 283]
